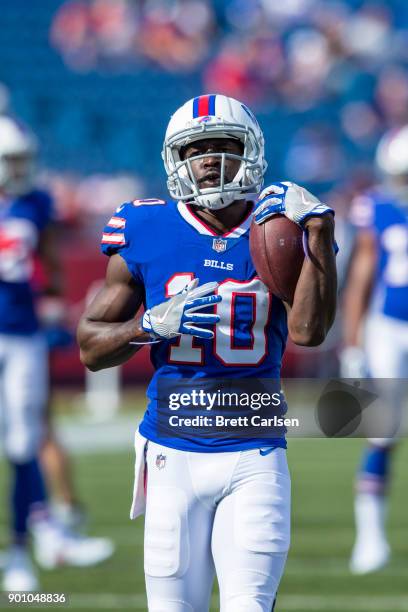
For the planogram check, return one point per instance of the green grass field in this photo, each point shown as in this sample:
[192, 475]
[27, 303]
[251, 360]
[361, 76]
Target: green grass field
[316, 576]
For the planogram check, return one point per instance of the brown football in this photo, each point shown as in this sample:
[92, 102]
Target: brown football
[276, 248]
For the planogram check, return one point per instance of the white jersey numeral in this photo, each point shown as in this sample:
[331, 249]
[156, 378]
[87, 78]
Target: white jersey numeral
[18, 241]
[224, 347]
[183, 351]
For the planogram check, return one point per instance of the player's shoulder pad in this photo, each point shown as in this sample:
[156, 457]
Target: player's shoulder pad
[39, 195]
[41, 207]
[39, 198]
[115, 233]
[129, 220]
[136, 211]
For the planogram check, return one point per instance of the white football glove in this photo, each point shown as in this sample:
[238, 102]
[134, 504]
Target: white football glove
[296, 202]
[353, 362]
[178, 315]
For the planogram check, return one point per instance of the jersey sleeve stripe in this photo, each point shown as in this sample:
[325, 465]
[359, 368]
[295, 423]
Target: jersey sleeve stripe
[117, 222]
[118, 239]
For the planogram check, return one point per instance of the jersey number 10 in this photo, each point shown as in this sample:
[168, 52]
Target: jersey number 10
[225, 349]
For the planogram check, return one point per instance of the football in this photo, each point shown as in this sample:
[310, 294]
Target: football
[277, 251]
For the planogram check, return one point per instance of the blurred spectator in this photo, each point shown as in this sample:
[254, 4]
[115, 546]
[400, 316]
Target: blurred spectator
[368, 33]
[308, 63]
[244, 15]
[392, 94]
[315, 156]
[177, 36]
[361, 124]
[89, 33]
[106, 34]
[288, 11]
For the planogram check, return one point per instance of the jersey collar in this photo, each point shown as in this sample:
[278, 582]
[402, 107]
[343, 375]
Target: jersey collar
[202, 227]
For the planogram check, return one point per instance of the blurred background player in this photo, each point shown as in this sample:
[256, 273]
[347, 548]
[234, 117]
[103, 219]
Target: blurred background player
[55, 460]
[376, 332]
[26, 229]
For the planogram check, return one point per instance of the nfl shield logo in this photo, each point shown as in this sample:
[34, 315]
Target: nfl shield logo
[160, 461]
[219, 245]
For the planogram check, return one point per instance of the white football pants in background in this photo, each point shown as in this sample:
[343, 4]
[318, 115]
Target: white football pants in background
[23, 394]
[386, 346]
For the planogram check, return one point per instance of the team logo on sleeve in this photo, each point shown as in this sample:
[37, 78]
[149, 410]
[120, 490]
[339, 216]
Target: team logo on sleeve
[160, 461]
[219, 245]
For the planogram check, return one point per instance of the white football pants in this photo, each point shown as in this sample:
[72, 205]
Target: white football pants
[223, 512]
[386, 346]
[23, 394]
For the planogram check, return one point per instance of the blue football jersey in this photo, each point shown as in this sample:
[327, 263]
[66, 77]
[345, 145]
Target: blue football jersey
[21, 221]
[387, 217]
[165, 245]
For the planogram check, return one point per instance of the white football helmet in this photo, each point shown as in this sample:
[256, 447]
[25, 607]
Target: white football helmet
[18, 148]
[392, 152]
[214, 116]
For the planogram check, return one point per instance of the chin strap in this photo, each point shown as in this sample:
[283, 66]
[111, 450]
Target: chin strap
[215, 201]
[229, 197]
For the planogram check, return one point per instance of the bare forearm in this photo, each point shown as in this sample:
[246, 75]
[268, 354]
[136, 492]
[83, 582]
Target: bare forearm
[104, 345]
[355, 307]
[314, 303]
[359, 287]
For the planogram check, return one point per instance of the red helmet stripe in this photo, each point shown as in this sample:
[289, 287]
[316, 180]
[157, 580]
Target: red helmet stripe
[203, 106]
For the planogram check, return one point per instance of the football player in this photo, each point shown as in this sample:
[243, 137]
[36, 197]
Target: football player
[376, 333]
[212, 505]
[26, 229]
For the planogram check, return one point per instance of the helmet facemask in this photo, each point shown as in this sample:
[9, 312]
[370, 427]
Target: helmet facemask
[18, 152]
[182, 183]
[17, 173]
